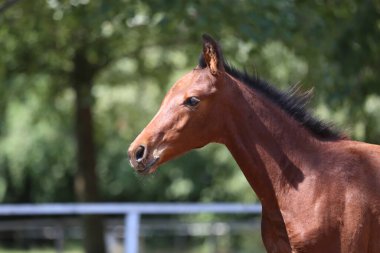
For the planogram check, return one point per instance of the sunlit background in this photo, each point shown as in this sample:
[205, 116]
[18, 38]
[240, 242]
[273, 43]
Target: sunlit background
[80, 79]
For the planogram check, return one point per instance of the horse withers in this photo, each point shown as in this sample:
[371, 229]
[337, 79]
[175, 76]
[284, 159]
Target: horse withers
[320, 191]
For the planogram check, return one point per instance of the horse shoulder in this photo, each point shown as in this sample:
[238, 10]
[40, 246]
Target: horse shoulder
[362, 212]
[356, 164]
[364, 168]
[339, 200]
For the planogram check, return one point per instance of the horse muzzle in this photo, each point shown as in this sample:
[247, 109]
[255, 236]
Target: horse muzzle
[141, 161]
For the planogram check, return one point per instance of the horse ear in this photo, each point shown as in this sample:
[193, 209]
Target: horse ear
[212, 54]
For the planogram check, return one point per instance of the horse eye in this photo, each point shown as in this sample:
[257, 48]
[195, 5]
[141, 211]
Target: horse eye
[192, 101]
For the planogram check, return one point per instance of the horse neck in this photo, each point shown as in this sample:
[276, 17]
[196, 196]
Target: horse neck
[270, 147]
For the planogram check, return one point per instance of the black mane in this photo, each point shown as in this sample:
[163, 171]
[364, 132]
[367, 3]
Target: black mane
[290, 101]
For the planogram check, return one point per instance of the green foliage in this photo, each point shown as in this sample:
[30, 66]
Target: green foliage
[139, 48]
[38, 251]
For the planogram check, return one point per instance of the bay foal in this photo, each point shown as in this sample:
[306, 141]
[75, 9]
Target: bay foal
[319, 190]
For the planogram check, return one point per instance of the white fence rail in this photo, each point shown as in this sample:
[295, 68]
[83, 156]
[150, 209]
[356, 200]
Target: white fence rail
[131, 212]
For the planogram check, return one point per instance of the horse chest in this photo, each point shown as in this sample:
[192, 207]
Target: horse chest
[311, 237]
[304, 235]
[297, 237]
[309, 223]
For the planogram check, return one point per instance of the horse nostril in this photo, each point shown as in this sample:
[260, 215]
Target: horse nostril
[140, 153]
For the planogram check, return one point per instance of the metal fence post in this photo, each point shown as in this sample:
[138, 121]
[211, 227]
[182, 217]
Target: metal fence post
[59, 238]
[131, 232]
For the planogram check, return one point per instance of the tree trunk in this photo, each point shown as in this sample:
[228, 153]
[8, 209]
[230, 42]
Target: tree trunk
[86, 178]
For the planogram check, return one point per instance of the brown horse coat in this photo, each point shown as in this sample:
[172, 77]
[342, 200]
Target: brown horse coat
[320, 191]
